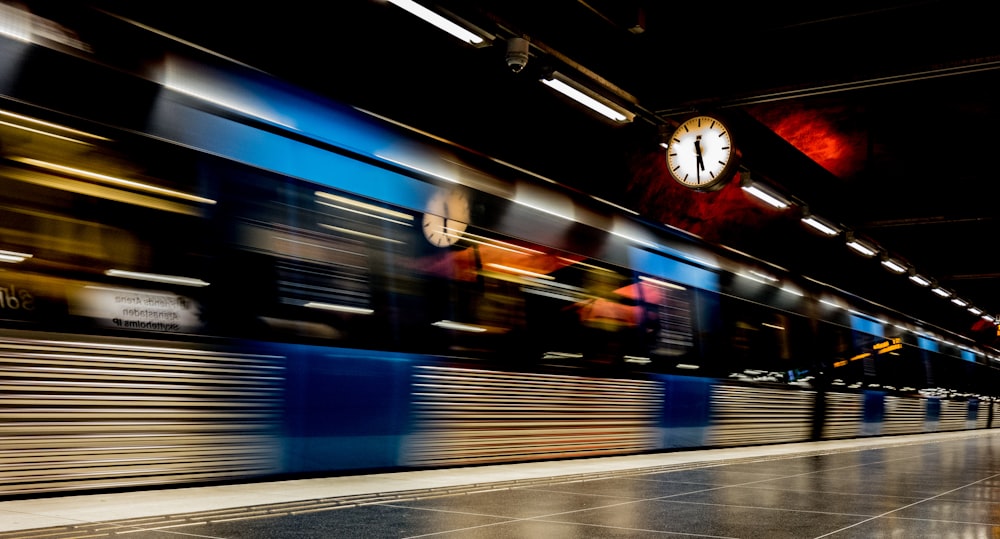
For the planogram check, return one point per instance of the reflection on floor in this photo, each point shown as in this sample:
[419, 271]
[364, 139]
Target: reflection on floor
[933, 485]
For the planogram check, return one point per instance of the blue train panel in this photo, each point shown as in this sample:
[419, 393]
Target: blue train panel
[686, 413]
[674, 270]
[874, 413]
[344, 409]
[174, 120]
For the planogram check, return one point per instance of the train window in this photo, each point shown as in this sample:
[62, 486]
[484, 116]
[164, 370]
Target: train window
[953, 377]
[764, 344]
[524, 305]
[304, 264]
[107, 236]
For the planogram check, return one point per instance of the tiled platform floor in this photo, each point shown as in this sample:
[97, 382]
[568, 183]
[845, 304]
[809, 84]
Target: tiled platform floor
[932, 485]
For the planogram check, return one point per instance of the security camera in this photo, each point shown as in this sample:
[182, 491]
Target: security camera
[517, 53]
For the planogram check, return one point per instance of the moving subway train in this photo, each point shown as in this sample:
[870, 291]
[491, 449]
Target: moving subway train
[208, 275]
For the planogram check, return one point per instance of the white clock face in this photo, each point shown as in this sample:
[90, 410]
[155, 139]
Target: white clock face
[700, 154]
[446, 218]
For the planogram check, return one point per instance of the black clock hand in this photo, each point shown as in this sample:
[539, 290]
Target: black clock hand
[699, 163]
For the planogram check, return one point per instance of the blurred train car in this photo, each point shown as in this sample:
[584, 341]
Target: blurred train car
[208, 275]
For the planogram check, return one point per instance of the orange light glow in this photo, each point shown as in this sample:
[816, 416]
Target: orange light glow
[816, 133]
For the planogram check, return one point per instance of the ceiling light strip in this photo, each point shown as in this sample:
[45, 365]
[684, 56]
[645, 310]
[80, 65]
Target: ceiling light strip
[941, 291]
[821, 225]
[893, 265]
[861, 247]
[766, 195]
[586, 97]
[439, 21]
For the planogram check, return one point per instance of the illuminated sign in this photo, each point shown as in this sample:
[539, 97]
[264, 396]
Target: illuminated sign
[13, 298]
[888, 345]
[25, 297]
[145, 310]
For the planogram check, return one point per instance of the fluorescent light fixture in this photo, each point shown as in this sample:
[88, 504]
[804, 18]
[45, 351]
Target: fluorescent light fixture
[893, 265]
[820, 224]
[13, 257]
[765, 194]
[519, 271]
[458, 326]
[46, 128]
[334, 200]
[766, 277]
[959, 301]
[156, 277]
[988, 318]
[366, 214]
[861, 247]
[440, 21]
[941, 291]
[360, 234]
[47, 125]
[975, 310]
[792, 290]
[44, 133]
[919, 279]
[561, 355]
[548, 294]
[503, 246]
[586, 97]
[759, 276]
[658, 282]
[338, 308]
[120, 182]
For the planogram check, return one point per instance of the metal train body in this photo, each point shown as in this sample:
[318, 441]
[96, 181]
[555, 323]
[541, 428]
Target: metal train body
[225, 278]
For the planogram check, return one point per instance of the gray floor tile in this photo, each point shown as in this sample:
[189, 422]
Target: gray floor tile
[850, 504]
[713, 520]
[366, 522]
[517, 503]
[954, 510]
[636, 488]
[892, 528]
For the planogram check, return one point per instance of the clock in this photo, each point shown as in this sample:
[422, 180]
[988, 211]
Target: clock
[700, 154]
[446, 217]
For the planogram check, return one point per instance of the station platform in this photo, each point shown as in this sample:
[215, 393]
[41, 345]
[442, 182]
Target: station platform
[913, 486]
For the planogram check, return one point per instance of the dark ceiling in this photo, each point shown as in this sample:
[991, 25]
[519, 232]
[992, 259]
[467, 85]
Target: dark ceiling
[879, 115]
